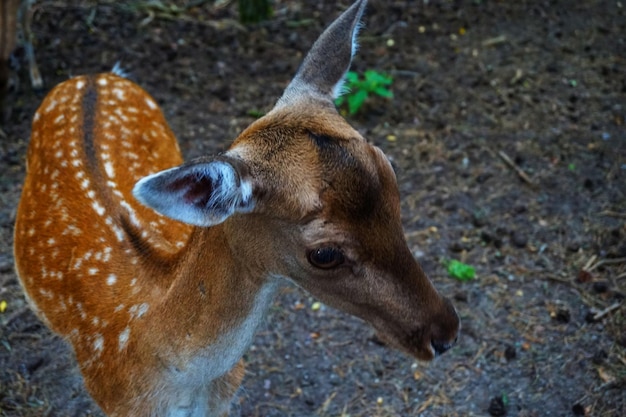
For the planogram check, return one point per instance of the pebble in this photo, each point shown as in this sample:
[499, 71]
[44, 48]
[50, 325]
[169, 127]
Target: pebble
[497, 407]
[459, 247]
[573, 246]
[519, 239]
[578, 409]
[481, 178]
[488, 238]
[599, 357]
[590, 317]
[600, 287]
[461, 296]
[479, 221]
[562, 315]
[510, 353]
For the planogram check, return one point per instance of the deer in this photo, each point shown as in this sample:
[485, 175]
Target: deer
[158, 271]
[12, 12]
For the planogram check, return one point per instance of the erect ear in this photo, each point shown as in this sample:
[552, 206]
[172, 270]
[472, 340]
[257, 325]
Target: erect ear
[324, 68]
[202, 192]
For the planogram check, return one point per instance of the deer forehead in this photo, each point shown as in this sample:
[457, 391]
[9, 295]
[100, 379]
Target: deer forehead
[315, 162]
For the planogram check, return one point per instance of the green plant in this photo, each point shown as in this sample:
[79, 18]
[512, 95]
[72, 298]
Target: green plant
[460, 271]
[254, 11]
[359, 89]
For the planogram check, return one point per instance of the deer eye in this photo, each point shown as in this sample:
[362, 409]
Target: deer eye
[326, 257]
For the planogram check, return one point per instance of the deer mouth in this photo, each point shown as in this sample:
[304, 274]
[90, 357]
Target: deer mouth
[423, 350]
[409, 343]
[422, 343]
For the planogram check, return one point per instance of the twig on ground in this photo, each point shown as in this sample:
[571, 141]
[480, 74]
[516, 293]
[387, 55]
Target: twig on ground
[605, 262]
[494, 41]
[590, 262]
[516, 168]
[416, 233]
[429, 401]
[478, 354]
[608, 385]
[553, 277]
[606, 311]
[611, 213]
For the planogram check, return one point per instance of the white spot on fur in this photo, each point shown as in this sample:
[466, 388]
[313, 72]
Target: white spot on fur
[111, 279]
[108, 167]
[119, 93]
[123, 338]
[72, 230]
[138, 310]
[151, 103]
[51, 106]
[81, 311]
[98, 343]
[119, 233]
[98, 208]
[47, 294]
[107, 254]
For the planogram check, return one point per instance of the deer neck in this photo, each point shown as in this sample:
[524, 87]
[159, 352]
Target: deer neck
[213, 305]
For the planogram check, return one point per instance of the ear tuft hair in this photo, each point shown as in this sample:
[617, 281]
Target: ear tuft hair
[202, 193]
[323, 70]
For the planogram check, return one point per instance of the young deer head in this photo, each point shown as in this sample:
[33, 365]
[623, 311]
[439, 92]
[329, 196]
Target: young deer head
[160, 299]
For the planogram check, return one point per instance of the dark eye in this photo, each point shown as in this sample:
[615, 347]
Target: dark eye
[326, 257]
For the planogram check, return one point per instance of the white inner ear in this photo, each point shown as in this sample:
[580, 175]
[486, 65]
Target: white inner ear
[340, 89]
[227, 196]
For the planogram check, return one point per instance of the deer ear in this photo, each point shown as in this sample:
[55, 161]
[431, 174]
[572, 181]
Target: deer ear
[323, 70]
[201, 192]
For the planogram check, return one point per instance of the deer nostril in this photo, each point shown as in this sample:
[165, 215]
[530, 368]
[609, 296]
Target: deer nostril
[441, 347]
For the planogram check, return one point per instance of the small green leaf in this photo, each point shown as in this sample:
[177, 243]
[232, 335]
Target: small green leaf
[383, 92]
[359, 87]
[256, 113]
[461, 271]
[356, 100]
[254, 11]
[351, 77]
[376, 77]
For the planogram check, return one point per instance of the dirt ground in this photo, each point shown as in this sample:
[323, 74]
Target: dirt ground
[540, 82]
